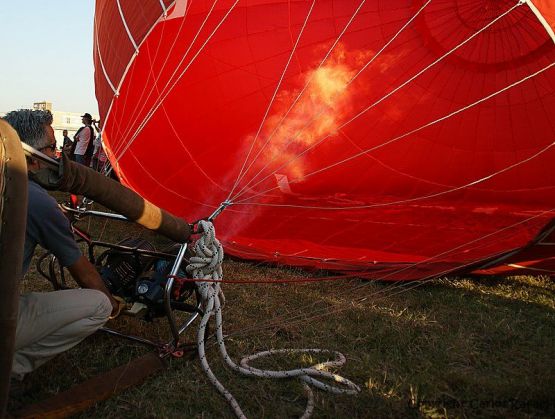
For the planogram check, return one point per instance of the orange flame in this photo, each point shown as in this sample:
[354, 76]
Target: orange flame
[316, 114]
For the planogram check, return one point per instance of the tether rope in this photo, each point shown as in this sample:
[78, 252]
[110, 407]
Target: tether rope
[207, 265]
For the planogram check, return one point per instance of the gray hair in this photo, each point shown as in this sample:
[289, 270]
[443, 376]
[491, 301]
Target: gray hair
[31, 126]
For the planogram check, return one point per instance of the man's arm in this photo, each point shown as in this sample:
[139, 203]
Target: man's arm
[87, 276]
[49, 227]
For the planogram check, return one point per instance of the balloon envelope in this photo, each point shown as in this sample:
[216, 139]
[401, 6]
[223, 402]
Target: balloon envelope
[397, 139]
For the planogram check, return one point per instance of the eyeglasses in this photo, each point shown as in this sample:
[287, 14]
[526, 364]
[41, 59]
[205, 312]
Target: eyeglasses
[52, 147]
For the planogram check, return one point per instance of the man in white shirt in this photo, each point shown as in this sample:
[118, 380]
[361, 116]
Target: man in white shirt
[84, 141]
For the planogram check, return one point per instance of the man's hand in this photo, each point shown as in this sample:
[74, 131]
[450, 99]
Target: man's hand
[86, 275]
[121, 306]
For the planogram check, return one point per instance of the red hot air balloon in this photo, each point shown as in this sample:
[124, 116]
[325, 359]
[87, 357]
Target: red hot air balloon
[399, 139]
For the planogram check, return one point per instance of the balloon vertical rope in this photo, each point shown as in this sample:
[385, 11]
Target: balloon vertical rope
[207, 265]
[251, 185]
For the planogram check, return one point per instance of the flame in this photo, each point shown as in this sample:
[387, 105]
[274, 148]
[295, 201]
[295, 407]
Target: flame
[328, 83]
[316, 112]
[313, 112]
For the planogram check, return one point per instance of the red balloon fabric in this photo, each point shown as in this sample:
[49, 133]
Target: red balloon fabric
[397, 139]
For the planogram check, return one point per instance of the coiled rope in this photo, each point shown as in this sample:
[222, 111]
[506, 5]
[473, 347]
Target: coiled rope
[207, 264]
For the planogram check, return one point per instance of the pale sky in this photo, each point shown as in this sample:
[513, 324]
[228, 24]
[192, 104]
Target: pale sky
[46, 54]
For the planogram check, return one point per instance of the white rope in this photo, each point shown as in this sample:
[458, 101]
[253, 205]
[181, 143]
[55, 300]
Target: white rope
[207, 265]
[369, 107]
[170, 89]
[317, 115]
[97, 43]
[417, 198]
[154, 87]
[396, 139]
[293, 52]
[124, 21]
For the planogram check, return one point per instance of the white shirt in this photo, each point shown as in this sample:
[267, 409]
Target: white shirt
[84, 136]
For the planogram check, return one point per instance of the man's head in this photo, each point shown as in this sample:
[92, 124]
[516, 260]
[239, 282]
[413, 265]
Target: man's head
[86, 118]
[64, 133]
[33, 127]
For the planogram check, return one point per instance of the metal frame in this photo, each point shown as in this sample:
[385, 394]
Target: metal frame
[173, 346]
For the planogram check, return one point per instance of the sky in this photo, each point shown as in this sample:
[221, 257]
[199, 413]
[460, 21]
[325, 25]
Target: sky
[47, 54]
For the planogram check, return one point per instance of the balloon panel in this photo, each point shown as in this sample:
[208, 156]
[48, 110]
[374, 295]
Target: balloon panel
[397, 135]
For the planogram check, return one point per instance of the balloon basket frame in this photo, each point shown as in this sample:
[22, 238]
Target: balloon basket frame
[49, 267]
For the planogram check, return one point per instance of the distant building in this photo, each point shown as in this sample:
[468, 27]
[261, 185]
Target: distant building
[42, 106]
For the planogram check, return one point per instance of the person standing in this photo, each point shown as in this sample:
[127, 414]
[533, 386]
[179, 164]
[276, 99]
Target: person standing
[83, 146]
[102, 158]
[49, 323]
[67, 145]
[97, 142]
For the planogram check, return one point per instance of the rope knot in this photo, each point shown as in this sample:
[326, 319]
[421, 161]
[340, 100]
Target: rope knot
[209, 254]
[207, 264]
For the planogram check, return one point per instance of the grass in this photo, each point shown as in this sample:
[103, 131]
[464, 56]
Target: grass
[451, 347]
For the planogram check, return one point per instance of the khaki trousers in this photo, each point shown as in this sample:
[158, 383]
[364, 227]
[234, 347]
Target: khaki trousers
[52, 322]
